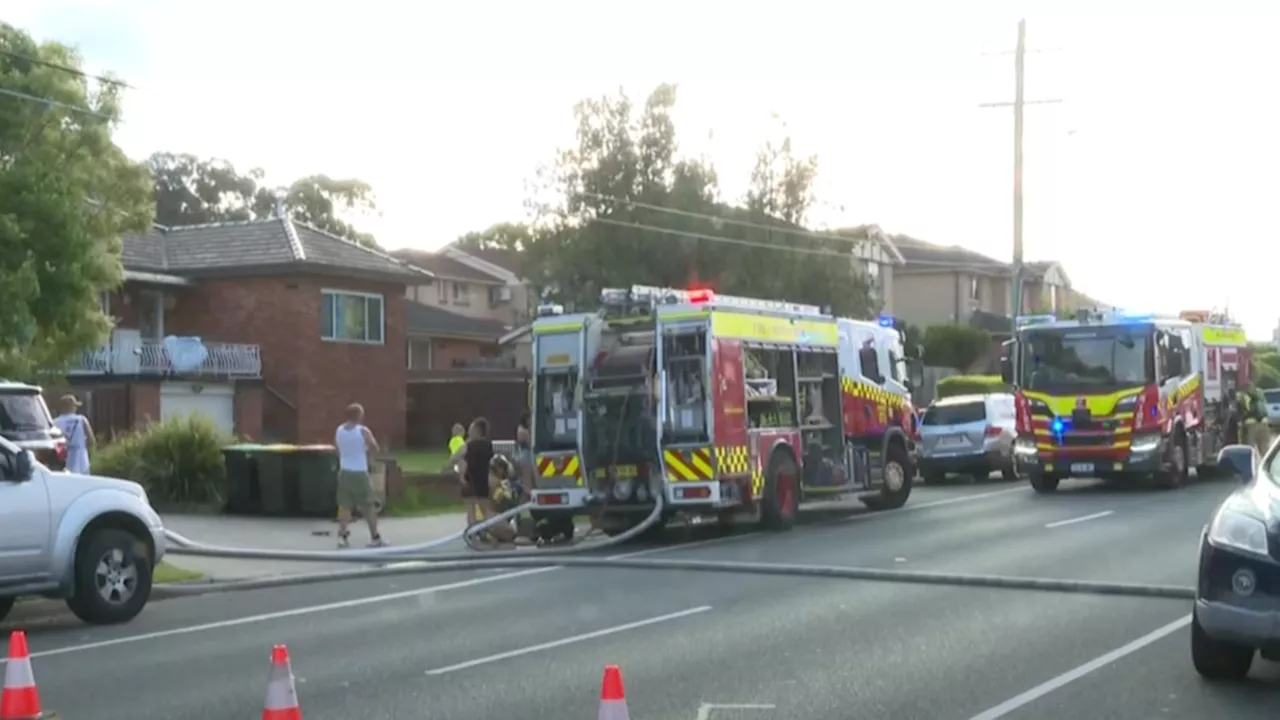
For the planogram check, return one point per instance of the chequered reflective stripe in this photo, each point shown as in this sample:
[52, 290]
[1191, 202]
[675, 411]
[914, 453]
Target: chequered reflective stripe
[689, 465]
[550, 466]
[757, 484]
[732, 460]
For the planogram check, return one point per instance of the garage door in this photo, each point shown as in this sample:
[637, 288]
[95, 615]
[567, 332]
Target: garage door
[217, 402]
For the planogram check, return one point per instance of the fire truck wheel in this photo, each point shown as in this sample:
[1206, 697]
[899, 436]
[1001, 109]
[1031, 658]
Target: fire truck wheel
[1177, 474]
[1042, 483]
[781, 499]
[897, 473]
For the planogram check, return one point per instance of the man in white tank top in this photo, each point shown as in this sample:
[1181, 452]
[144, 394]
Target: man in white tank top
[355, 487]
[78, 432]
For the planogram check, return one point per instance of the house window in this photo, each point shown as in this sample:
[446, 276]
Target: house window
[442, 289]
[461, 293]
[975, 289]
[1053, 298]
[419, 354]
[351, 317]
[151, 314]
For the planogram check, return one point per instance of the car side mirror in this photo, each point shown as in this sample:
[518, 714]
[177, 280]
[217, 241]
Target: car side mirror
[1006, 370]
[1241, 461]
[22, 467]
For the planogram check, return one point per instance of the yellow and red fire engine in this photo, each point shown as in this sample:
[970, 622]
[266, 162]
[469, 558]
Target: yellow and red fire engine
[1122, 396]
[728, 406]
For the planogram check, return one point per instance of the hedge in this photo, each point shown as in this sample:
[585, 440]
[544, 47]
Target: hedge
[970, 385]
[178, 460]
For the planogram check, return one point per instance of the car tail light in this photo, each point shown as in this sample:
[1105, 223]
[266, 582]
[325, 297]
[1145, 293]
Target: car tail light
[992, 431]
[60, 450]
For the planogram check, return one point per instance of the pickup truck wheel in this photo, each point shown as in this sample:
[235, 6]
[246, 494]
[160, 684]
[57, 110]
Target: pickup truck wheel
[6, 604]
[112, 578]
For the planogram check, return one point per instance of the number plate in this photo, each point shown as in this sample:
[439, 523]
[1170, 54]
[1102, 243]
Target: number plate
[1081, 468]
[951, 440]
[625, 472]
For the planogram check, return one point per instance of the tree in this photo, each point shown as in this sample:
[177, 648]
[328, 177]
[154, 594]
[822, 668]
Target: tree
[623, 207]
[515, 237]
[193, 191]
[67, 194]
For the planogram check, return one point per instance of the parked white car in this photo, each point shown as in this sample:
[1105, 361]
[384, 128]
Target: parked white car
[92, 541]
[1273, 406]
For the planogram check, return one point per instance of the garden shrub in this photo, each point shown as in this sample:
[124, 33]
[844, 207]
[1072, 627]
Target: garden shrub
[178, 460]
[970, 385]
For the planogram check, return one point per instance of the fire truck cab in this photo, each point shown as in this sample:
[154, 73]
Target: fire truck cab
[729, 407]
[1120, 396]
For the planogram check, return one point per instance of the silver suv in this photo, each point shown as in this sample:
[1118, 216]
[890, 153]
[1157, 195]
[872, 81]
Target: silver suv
[92, 541]
[969, 434]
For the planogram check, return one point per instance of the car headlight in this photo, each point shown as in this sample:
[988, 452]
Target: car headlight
[1024, 446]
[622, 489]
[1242, 532]
[1145, 443]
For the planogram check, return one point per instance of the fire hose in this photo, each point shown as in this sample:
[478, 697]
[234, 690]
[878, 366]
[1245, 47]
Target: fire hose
[414, 559]
[181, 545]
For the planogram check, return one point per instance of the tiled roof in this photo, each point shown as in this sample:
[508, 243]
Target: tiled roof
[255, 244]
[422, 319]
[444, 266]
[926, 254]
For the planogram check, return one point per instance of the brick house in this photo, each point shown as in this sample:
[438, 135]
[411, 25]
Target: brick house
[295, 323]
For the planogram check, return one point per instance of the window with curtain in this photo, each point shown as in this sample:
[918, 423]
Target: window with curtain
[352, 317]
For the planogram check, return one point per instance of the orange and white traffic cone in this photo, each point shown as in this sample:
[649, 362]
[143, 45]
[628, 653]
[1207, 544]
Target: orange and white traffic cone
[613, 699]
[21, 700]
[282, 697]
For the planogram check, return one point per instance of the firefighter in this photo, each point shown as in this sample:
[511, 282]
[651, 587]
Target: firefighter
[1253, 410]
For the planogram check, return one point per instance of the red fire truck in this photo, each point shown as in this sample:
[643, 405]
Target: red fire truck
[1122, 396]
[731, 407]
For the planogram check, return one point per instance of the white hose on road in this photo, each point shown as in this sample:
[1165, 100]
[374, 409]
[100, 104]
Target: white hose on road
[186, 546]
[430, 564]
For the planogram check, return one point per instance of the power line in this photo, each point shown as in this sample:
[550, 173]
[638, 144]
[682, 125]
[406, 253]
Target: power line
[66, 69]
[832, 235]
[767, 246]
[993, 264]
[51, 103]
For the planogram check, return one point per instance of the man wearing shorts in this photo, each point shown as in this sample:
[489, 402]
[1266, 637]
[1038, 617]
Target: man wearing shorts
[355, 487]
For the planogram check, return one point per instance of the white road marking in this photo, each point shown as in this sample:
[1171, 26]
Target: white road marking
[937, 503]
[705, 709]
[483, 580]
[1082, 518]
[340, 605]
[568, 640]
[1070, 676]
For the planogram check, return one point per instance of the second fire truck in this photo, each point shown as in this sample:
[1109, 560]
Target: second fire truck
[1121, 396]
[730, 407]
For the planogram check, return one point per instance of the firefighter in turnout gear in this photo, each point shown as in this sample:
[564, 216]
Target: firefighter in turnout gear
[1253, 410]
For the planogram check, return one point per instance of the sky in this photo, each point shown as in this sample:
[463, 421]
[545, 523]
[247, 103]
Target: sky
[1154, 182]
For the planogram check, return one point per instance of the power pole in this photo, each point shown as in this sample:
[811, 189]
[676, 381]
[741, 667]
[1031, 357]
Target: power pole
[1018, 104]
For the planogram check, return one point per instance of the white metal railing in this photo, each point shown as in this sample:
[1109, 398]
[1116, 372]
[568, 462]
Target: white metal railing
[150, 357]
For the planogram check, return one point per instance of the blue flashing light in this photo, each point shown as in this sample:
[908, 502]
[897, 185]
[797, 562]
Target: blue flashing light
[1057, 426]
[886, 321]
[1135, 317]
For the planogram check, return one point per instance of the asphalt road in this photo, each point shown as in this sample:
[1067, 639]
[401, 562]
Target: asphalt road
[701, 646]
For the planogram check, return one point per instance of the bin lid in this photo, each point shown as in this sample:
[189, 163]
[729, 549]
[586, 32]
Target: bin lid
[278, 447]
[243, 447]
[316, 448]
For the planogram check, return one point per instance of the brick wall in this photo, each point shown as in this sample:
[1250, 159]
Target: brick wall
[282, 316]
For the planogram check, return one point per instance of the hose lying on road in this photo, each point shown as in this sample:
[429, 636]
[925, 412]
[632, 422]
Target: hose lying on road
[429, 564]
[186, 546]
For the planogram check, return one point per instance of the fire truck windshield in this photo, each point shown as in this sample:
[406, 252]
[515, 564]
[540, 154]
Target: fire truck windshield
[1079, 358]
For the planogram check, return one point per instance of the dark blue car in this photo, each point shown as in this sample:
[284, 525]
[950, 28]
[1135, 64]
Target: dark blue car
[1237, 610]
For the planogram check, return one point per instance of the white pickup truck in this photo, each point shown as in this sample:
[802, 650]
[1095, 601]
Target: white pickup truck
[92, 541]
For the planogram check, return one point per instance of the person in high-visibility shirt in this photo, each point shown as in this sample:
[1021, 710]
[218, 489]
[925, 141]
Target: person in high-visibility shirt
[1254, 410]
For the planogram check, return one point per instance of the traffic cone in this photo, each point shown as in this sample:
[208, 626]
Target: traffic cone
[20, 699]
[282, 698]
[613, 700]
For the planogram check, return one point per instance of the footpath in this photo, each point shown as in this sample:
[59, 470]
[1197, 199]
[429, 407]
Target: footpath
[313, 534]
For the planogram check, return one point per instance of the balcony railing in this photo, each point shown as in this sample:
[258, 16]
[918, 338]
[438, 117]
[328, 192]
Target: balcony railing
[484, 363]
[151, 357]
